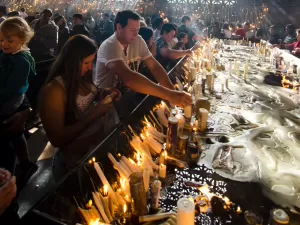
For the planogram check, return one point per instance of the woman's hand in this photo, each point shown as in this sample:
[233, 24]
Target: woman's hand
[114, 93]
[16, 122]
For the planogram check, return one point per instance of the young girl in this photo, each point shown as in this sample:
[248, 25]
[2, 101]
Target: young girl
[16, 68]
[71, 108]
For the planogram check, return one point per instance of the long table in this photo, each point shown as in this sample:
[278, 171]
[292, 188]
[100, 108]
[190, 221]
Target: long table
[251, 98]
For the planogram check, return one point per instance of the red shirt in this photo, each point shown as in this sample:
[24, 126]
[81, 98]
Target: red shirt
[241, 32]
[293, 46]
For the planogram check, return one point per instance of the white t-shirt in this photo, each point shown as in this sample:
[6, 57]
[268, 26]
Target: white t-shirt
[111, 50]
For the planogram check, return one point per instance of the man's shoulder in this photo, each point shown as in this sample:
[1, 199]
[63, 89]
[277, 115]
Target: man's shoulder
[110, 44]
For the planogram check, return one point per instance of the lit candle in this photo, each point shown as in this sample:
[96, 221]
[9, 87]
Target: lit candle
[105, 182]
[122, 171]
[185, 212]
[125, 186]
[181, 122]
[188, 112]
[222, 87]
[192, 74]
[146, 178]
[163, 157]
[246, 70]
[227, 83]
[105, 190]
[100, 207]
[160, 112]
[203, 118]
[162, 171]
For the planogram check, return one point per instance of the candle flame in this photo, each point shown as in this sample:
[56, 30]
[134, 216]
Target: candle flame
[89, 204]
[239, 210]
[124, 208]
[94, 159]
[131, 161]
[189, 89]
[105, 190]
[163, 104]
[142, 136]
[94, 222]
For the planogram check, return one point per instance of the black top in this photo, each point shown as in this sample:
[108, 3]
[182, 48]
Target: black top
[274, 39]
[80, 29]
[190, 34]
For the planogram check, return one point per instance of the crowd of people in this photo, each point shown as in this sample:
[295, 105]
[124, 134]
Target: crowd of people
[99, 66]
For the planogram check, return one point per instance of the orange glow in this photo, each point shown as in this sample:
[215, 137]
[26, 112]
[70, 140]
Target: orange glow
[94, 222]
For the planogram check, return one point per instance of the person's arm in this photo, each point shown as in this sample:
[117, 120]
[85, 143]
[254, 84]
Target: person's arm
[141, 84]
[174, 54]
[52, 113]
[158, 72]
[153, 49]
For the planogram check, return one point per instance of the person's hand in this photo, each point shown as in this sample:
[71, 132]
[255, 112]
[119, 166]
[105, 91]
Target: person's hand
[16, 122]
[4, 176]
[189, 53]
[114, 93]
[297, 50]
[180, 98]
[7, 193]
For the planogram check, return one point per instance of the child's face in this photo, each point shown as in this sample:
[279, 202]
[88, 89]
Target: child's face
[11, 43]
[185, 39]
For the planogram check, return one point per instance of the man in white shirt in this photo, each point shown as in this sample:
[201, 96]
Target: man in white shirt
[120, 56]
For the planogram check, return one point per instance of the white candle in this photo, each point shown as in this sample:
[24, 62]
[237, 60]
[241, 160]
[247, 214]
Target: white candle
[104, 201]
[146, 178]
[188, 112]
[235, 66]
[122, 171]
[181, 122]
[133, 168]
[227, 83]
[250, 44]
[193, 74]
[154, 145]
[230, 67]
[210, 82]
[185, 212]
[203, 118]
[180, 86]
[100, 207]
[162, 171]
[246, 70]
[120, 199]
[160, 112]
[105, 182]
[128, 171]
[222, 87]
[125, 186]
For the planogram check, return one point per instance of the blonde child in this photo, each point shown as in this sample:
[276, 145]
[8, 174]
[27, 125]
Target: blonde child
[16, 68]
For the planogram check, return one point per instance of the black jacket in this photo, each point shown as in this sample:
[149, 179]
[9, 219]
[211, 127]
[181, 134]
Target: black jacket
[80, 29]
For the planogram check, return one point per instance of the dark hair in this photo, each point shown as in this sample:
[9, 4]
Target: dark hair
[23, 9]
[225, 26]
[185, 18]
[78, 16]
[3, 10]
[47, 10]
[273, 26]
[13, 13]
[181, 35]
[246, 24]
[58, 18]
[259, 32]
[157, 22]
[167, 28]
[146, 33]
[68, 66]
[106, 15]
[123, 17]
[148, 21]
[290, 29]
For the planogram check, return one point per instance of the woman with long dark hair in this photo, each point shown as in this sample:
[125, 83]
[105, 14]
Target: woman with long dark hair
[71, 107]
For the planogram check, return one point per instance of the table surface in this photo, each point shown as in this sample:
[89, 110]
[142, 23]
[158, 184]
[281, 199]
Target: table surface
[269, 107]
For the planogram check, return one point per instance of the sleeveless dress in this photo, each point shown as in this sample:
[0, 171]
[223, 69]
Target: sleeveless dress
[64, 160]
